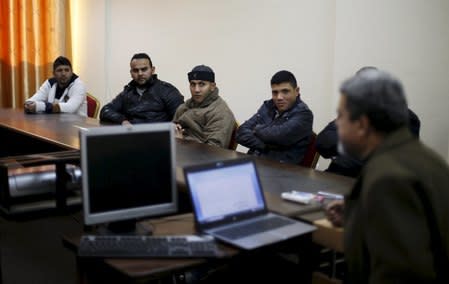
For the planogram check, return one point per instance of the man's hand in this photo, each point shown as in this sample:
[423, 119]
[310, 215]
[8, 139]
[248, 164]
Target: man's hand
[334, 212]
[179, 131]
[56, 108]
[30, 107]
[126, 122]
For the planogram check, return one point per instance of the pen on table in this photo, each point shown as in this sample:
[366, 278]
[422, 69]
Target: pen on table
[330, 195]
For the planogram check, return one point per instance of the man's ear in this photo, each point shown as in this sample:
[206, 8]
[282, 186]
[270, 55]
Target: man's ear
[364, 125]
[297, 91]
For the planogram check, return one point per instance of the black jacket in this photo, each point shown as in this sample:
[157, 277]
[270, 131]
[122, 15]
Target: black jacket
[284, 138]
[326, 145]
[157, 104]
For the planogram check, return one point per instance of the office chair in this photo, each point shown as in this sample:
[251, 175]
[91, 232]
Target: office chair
[93, 106]
[311, 156]
[233, 142]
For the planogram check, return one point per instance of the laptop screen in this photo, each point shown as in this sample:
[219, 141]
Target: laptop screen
[223, 190]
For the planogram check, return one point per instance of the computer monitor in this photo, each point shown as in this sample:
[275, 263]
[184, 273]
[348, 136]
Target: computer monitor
[128, 172]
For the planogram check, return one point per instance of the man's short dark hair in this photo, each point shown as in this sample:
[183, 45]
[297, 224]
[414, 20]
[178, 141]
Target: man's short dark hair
[61, 60]
[284, 77]
[379, 96]
[142, 56]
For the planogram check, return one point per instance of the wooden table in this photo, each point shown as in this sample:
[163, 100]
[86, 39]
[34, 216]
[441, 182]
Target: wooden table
[30, 134]
[25, 133]
[142, 270]
[53, 132]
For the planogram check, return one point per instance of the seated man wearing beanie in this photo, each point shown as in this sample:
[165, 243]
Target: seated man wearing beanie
[205, 117]
[64, 92]
[282, 127]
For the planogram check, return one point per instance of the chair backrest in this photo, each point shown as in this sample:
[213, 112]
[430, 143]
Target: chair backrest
[311, 156]
[93, 106]
[233, 142]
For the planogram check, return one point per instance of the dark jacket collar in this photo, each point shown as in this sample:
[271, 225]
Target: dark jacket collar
[393, 140]
[53, 80]
[153, 79]
[273, 108]
[210, 98]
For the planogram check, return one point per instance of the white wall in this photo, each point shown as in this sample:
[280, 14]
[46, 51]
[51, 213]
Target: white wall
[247, 41]
[90, 55]
[409, 38]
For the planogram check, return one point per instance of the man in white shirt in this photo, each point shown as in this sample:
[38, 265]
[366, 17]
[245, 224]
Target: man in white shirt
[64, 92]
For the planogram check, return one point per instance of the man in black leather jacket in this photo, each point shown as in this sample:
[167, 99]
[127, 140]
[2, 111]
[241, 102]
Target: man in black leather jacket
[145, 99]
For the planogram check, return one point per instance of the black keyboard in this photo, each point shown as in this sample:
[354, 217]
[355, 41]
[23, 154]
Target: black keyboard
[260, 226]
[148, 246]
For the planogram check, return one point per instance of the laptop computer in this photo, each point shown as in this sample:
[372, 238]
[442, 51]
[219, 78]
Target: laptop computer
[229, 204]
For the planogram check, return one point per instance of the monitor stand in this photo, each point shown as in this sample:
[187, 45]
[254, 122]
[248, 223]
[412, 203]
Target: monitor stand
[127, 227]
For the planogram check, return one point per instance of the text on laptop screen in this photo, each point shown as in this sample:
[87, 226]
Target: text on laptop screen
[221, 192]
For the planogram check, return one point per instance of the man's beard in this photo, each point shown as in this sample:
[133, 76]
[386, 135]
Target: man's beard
[346, 151]
[143, 83]
[350, 151]
[341, 149]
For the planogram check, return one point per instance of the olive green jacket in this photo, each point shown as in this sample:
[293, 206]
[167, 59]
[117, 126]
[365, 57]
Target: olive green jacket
[210, 122]
[387, 228]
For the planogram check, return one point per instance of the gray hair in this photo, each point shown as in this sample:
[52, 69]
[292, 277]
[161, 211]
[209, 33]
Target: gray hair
[379, 96]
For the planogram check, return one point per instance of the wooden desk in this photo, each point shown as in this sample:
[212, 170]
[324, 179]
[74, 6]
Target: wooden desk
[142, 270]
[60, 132]
[100, 270]
[275, 177]
[327, 235]
[37, 133]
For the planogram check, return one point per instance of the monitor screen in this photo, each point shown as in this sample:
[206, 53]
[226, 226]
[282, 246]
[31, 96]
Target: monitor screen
[128, 172]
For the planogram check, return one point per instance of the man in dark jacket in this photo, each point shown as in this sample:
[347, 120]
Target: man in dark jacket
[282, 127]
[396, 217]
[327, 143]
[327, 146]
[145, 98]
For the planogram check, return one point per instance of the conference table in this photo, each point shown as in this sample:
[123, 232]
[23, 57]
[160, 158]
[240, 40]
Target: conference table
[25, 134]
[35, 133]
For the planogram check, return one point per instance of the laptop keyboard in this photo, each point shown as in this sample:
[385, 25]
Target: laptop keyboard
[148, 246]
[247, 229]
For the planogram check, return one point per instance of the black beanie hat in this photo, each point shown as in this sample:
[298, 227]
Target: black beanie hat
[202, 72]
